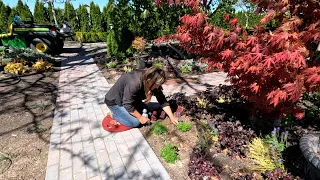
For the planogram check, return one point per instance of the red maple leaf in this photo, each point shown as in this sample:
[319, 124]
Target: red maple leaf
[257, 57]
[185, 37]
[252, 41]
[233, 22]
[298, 59]
[226, 17]
[255, 87]
[268, 62]
[269, 16]
[206, 29]
[299, 115]
[278, 97]
[294, 90]
[241, 45]
[227, 54]
[217, 65]
[233, 37]
[298, 112]
[211, 36]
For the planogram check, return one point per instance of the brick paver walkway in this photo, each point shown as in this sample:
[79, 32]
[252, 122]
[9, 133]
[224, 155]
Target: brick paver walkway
[79, 147]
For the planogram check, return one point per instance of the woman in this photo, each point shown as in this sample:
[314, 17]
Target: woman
[125, 97]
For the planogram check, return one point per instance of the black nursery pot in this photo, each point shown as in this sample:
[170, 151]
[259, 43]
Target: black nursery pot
[142, 61]
[309, 145]
[2, 68]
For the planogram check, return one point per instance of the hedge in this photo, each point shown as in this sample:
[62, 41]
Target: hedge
[88, 37]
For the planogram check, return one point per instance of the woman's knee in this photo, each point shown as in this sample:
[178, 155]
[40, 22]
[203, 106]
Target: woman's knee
[124, 117]
[136, 123]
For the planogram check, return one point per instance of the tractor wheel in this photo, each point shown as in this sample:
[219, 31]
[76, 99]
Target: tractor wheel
[41, 45]
[58, 47]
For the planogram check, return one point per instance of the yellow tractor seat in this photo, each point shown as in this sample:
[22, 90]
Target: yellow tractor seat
[8, 34]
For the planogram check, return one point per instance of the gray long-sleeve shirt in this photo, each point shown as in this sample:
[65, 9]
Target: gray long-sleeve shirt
[130, 89]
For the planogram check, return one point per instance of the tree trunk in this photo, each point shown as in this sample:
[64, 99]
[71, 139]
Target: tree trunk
[54, 13]
[246, 20]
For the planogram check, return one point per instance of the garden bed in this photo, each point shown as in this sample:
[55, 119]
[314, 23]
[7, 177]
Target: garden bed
[185, 141]
[26, 113]
[176, 70]
[225, 135]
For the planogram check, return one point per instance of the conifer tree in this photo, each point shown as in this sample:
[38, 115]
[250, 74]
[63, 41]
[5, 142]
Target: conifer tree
[41, 14]
[95, 16]
[83, 17]
[3, 16]
[13, 13]
[70, 15]
[104, 19]
[23, 11]
[59, 15]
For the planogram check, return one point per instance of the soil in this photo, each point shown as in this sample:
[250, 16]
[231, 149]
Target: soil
[113, 74]
[26, 113]
[185, 141]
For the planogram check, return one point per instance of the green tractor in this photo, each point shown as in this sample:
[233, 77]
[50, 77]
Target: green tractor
[41, 38]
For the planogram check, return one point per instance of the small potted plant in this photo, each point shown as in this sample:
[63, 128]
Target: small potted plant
[139, 44]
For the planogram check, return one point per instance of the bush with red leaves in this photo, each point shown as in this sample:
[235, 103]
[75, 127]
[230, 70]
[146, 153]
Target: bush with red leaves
[200, 167]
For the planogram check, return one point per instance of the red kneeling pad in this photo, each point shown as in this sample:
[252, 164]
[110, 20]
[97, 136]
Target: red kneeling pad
[108, 126]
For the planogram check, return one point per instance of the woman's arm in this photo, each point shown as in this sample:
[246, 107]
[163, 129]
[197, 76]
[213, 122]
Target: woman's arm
[172, 117]
[165, 105]
[141, 118]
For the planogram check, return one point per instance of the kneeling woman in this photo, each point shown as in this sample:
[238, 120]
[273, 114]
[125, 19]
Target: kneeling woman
[125, 97]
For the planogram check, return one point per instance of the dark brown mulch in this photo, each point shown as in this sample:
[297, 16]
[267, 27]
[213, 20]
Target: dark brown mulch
[26, 113]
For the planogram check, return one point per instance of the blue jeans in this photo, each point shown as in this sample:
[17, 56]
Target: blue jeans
[124, 117]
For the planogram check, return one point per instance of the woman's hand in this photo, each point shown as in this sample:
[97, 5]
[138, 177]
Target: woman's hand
[143, 119]
[172, 117]
[174, 120]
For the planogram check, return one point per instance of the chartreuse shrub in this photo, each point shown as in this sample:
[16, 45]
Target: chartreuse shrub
[169, 153]
[111, 64]
[158, 63]
[42, 65]
[159, 128]
[184, 126]
[263, 155]
[15, 68]
[202, 103]
[128, 69]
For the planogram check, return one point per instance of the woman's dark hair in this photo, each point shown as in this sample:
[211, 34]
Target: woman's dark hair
[152, 76]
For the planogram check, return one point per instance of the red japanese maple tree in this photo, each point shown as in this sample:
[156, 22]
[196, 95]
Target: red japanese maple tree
[269, 68]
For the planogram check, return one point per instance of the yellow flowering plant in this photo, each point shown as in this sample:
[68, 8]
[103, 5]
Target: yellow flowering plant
[15, 68]
[42, 65]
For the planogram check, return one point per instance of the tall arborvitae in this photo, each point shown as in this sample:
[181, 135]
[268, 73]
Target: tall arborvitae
[41, 14]
[104, 19]
[13, 13]
[3, 16]
[112, 43]
[96, 18]
[83, 17]
[59, 15]
[70, 15]
[23, 11]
